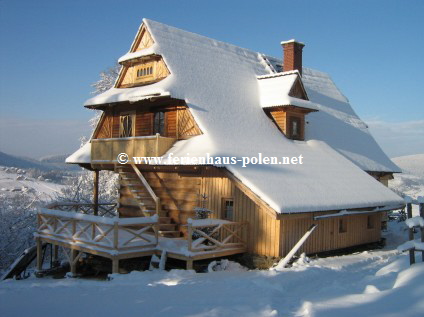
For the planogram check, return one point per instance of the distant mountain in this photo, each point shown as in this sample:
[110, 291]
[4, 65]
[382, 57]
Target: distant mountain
[54, 158]
[411, 181]
[15, 161]
[47, 163]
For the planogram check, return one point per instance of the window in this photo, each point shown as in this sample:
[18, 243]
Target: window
[144, 72]
[227, 208]
[370, 222]
[126, 124]
[342, 225]
[159, 123]
[294, 128]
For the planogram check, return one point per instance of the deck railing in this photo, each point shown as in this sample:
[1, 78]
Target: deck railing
[216, 235]
[112, 235]
[104, 209]
[107, 150]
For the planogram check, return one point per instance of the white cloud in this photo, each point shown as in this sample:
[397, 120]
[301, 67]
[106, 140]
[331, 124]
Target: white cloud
[399, 138]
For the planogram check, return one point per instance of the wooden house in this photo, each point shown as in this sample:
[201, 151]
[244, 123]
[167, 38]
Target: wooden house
[269, 146]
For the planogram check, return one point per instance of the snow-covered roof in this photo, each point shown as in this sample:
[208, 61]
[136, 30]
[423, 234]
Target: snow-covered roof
[274, 91]
[137, 54]
[220, 85]
[80, 156]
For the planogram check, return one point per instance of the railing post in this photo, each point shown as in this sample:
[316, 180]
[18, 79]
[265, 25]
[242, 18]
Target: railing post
[408, 201]
[190, 236]
[421, 208]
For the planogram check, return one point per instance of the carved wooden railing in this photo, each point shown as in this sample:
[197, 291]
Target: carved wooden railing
[216, 235]
[104, 209]
[112, 235]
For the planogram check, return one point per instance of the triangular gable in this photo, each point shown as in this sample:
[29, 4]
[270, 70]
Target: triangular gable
[142, 40]
[298, 91]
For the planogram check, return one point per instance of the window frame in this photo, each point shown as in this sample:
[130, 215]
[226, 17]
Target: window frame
[294, 119]
[224, 214]
[145, 77]
[132, 115]
[164, 123]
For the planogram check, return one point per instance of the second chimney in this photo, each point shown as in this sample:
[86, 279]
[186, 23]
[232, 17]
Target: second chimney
[292, 55]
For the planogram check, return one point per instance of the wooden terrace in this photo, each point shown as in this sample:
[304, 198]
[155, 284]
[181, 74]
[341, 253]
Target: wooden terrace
[73, 226]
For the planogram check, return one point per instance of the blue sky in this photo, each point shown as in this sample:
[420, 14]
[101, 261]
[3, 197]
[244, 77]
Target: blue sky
[52, 50]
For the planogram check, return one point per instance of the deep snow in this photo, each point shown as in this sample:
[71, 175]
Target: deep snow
[372, 283]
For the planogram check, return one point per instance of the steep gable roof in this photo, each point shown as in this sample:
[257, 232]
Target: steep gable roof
[219, 83]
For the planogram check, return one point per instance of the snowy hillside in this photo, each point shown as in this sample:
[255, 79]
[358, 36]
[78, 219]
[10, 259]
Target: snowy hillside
[15, 180]
[411, 181]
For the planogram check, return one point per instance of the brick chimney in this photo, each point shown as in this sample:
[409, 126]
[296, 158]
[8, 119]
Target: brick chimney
[292, 55]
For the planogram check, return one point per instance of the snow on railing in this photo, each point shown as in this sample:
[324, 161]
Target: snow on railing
[216, 234]
[111, 235]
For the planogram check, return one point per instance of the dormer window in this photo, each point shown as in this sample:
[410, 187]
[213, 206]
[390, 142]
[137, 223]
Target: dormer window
[295, 128]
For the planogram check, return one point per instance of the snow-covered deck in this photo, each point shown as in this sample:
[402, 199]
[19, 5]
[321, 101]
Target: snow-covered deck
[122, 238]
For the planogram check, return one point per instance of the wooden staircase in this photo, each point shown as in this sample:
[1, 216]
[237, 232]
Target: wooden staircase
[138, 199]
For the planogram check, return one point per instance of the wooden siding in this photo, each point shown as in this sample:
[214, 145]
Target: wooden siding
[144, 123]
[143, 40]
[326, 236]
[187, 126]
[263, 233]
[104, 126]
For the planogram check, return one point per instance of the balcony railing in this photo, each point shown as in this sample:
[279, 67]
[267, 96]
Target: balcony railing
[107, 150]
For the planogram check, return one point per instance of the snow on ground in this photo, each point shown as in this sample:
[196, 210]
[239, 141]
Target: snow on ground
[14, 180]
[371, 283]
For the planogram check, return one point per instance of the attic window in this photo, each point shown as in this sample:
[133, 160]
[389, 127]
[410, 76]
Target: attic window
[144, 72]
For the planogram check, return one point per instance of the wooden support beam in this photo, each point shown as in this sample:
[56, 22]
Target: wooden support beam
[115, 265]
[96, 193]
[73, 262]
[189, 264]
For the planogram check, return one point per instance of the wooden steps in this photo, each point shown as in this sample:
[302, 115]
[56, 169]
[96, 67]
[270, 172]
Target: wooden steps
[136, 201]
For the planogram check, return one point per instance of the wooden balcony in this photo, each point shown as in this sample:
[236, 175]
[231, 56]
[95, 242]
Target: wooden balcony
[107, 150]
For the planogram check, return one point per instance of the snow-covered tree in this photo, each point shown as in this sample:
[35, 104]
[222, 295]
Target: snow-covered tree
[107, 79]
